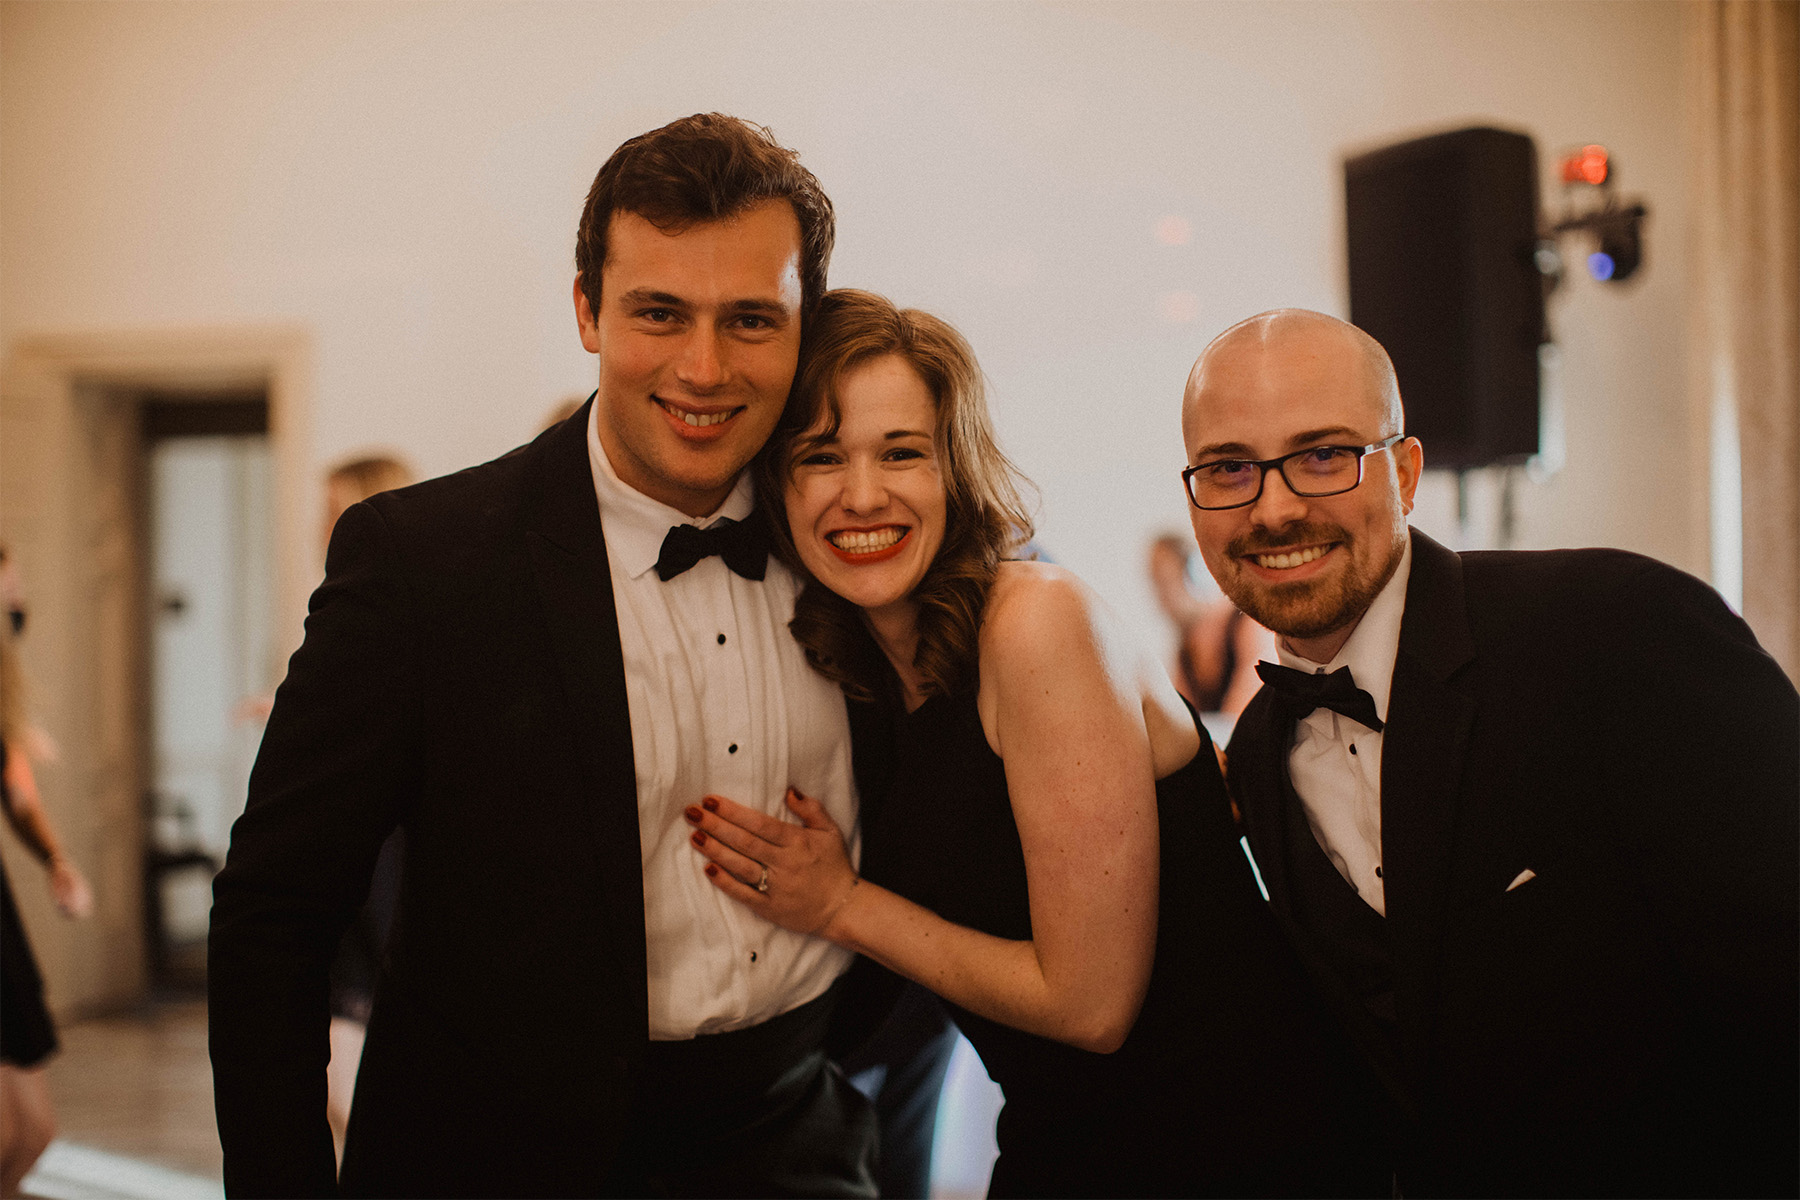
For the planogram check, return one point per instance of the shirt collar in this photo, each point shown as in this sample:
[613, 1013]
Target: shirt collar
[636, 525]
[1373, 644]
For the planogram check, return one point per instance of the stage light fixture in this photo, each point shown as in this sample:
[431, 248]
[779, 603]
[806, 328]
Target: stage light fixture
[1590, 164]
[1615, 229]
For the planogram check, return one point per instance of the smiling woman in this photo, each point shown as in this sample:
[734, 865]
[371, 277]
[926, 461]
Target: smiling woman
[928, 400]
[866, 502]
[1052, 852]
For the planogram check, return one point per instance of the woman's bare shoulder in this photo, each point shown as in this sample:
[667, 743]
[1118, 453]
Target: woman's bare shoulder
[1030, 584]
[1036, 609]
[1046, 628]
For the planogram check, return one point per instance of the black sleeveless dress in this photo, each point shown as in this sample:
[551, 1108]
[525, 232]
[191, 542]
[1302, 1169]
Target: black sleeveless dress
[1229, 1083]
[27, 1036]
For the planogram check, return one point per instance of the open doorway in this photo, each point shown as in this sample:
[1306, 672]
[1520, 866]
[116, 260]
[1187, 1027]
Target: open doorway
[209, 566]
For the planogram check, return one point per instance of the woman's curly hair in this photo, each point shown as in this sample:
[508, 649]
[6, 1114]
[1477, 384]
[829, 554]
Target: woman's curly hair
[986, 519]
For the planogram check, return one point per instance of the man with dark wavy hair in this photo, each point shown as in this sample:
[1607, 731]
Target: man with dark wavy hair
[532, 667]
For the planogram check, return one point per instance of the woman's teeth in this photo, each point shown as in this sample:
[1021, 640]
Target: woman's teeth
[857, 541]
[1283, 562]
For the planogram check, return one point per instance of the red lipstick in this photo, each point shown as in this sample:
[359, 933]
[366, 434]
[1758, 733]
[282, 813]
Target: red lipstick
[859, 558]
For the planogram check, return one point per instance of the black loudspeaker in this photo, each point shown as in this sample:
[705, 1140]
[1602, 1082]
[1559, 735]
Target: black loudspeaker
[1443, 232]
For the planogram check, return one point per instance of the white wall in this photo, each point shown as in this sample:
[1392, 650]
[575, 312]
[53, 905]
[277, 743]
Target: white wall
[404, 179]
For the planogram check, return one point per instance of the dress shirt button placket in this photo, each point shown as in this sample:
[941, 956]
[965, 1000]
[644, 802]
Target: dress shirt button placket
[727, 707]
[733, 747]
[724, 692]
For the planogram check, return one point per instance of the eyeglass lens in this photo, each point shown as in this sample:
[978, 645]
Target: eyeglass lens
[1322, 471]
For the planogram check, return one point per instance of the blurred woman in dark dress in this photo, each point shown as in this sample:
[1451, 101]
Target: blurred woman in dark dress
[1054, 855]
[27, 1037]
[1216, 646]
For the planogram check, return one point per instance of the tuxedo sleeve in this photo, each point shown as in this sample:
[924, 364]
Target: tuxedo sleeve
[1708, 751]
[325, 792]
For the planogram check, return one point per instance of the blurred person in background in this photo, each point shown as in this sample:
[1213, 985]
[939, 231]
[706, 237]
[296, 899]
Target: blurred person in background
[351, 481]
[1217, 647]
[354, 480]
[27, 1037]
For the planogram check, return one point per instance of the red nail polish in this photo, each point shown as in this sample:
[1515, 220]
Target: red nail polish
[699, 839]
[710, 804]
[691, 813]
[712, 870]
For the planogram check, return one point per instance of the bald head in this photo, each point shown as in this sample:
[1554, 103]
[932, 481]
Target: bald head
[1296, 337]
[1273, 404]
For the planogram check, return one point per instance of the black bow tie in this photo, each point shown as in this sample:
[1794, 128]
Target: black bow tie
[744, 545]
[1300, 693]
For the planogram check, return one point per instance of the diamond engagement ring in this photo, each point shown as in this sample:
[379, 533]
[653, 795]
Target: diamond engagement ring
[762, 885]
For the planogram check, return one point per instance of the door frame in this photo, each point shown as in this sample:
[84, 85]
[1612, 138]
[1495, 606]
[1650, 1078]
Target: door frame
[68, 508]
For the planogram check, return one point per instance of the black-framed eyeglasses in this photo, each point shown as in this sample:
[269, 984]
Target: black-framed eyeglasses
[1314, 471]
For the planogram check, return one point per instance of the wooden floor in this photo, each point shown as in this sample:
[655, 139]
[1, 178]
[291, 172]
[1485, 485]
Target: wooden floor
[140, 1085]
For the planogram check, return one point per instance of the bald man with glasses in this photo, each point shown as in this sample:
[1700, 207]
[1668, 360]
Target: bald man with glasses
[1528, 818]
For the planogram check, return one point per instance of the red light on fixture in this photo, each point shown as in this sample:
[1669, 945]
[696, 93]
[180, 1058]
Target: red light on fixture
[1590, 164]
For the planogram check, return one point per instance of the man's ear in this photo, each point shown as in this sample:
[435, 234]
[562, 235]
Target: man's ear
[1409, 463]
[584, 320]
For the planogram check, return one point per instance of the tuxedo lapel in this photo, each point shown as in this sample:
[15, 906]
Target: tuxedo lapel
[1257, 768]
[1258, 761]
[574, 587]
[1423, 750]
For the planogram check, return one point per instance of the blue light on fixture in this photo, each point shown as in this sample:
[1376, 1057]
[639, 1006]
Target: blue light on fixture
[1600, 265]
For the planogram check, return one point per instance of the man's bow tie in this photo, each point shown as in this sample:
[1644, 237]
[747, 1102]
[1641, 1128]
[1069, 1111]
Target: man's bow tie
[1300, 693]
[744, 545]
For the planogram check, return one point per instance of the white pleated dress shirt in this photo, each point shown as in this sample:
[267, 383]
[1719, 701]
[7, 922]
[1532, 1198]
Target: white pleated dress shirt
[722, 701]
[1335, 762]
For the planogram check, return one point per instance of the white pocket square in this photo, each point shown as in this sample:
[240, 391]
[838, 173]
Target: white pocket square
[1522, 878]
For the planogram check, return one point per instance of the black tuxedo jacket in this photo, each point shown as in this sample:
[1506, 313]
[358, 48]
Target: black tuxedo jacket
[1625, 1022]
[461, 677]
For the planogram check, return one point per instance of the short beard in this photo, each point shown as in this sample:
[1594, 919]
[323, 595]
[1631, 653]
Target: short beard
[1310, 608]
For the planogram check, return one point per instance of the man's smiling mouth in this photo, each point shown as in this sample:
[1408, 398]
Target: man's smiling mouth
[1288, 560]
[698, 420]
